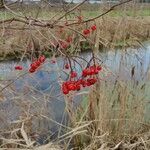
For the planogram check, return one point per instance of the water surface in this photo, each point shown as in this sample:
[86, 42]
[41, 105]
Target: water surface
[40, 92]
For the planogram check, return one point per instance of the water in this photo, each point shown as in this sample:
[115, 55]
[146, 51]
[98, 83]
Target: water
[39, 94]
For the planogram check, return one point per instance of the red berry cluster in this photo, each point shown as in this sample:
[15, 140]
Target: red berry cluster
[87, 31]
[84, 82]
[36, 64]
[92, 70]
[70, 86]
[76, 85]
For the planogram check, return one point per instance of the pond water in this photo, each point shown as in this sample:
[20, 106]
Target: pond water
[40, 93]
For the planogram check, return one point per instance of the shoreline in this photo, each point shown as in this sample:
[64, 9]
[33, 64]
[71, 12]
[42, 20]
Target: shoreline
[12, 57]
[112, 32]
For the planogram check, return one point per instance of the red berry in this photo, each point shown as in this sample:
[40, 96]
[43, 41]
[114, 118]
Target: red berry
[99, 68]
[84, 84]
[33, 66]
[93, 28]
[73, 74]
[38, 63]
[91, 81]
[64, 84]
[78, 87]
[88, 83]
[96, 71]
[89, 71]
[31, 70]
[71, 87]
[65, 91]
[85, 72]
[18, 67]
[67, 66]
[42, 59]
[86, 31]
[79, 81]
[92, 71]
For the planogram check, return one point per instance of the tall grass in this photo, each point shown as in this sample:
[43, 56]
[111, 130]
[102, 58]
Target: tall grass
[111, 115]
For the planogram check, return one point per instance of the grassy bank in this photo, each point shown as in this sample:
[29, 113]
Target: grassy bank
[126, 26]
[112, 32]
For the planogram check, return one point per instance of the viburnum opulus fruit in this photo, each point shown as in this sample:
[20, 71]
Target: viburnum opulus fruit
[18, 67]
[73, 74]
[86, 32]
[93, 28]
[87, 79]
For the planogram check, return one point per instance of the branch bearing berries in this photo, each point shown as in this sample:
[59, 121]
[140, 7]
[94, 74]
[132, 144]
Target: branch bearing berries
[92, 70]
[87, 79]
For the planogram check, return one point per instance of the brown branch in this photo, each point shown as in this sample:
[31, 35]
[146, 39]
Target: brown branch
[69, 11]
[28, 22]
[106, 12]
[36, 22]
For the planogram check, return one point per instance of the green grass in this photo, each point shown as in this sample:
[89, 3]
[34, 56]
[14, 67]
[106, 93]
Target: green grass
[5, 15]
[47, 14]
[118, 13]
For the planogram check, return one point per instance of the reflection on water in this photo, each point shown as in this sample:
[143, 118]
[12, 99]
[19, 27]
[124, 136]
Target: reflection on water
[40, 92]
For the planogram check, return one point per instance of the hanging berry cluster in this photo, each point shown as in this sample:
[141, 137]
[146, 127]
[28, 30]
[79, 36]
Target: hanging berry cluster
[36, 64]
[88, 78]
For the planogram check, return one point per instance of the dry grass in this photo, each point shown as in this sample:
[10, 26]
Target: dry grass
[123, 27]
[111, 33]
[110, 116]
